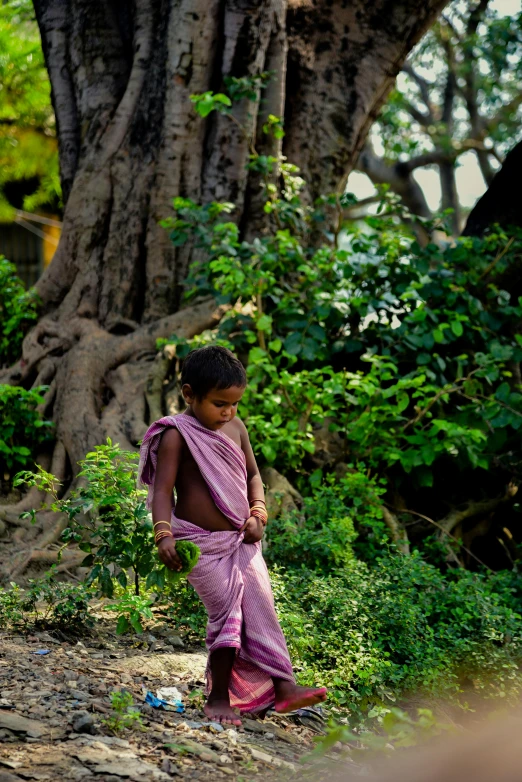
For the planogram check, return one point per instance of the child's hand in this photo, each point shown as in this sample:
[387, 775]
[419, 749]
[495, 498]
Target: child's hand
[253, 529]
[168, 554]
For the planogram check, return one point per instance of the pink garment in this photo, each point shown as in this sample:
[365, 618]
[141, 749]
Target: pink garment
[230, 577]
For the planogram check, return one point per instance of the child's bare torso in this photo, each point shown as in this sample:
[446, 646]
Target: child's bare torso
[194, 502]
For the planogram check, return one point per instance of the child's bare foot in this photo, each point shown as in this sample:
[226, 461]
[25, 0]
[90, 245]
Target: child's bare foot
[220, 710]
[290, 697]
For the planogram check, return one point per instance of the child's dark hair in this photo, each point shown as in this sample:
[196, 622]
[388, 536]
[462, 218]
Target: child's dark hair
[212, 367]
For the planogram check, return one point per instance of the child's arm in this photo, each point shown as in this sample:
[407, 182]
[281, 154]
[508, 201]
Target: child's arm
[169, 456]
[253, 527]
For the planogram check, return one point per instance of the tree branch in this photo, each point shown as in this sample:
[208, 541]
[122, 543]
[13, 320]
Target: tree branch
[475, 508]
[397, 532]
[424, 89]
[143, 29]
[52, 18]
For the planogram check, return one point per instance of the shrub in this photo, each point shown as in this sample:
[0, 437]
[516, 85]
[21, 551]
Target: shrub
[320, 537]
[23, 427]
[373, 634]
[46, 602]
[18, 309]
[109, 520]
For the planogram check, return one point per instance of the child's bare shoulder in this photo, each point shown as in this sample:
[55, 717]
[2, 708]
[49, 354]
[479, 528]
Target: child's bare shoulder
[240, 428]
[171, 441]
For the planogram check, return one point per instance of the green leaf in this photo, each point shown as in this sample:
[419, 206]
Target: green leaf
[264, 323]
[268, 452]
[457, 328]
[403, 400]
[122, 626]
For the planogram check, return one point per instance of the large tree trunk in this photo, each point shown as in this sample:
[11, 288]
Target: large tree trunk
[500, 203]
[122, 75]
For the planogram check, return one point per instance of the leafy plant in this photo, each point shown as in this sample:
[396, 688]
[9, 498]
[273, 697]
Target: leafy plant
[46, 602]
[23, 426]
[373, 634]
[109, 520]
[319, 537]
[18, 309]
[131, 609]
[107, 515]
[411, 355]
[125, 715]
[395, 729]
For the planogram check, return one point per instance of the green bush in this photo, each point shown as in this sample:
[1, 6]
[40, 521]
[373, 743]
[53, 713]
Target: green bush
[109, 521]
[18, 310]
[372, 634]
[23, 427]
[319, 537]
[46, 603]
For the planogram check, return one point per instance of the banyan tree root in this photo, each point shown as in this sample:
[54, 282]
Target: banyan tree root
[105, 385]
[64, 559]
[281, 496]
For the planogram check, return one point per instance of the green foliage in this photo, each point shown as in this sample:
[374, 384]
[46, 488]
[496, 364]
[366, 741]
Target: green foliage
[320, 537]
[131, 609]
[18, 310]
[28, 147]
[374, 634]
[458, 92]
[23, 427]
[109, 519]
[186, 610]
[396, 729]
[406, 351]
[125, 715]
[46, 602]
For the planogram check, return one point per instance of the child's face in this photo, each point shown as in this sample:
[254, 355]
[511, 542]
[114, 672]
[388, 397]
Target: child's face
[217, 408]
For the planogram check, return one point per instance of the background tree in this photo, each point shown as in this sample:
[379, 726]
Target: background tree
[129, 140]
[28, 148]
[459, 91]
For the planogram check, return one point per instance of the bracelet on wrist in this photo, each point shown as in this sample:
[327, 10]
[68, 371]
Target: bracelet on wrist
[162, 534]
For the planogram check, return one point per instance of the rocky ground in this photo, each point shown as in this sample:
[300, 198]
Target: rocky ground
[53, 707]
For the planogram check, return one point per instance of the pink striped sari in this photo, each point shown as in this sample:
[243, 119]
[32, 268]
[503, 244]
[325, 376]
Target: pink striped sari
[231, 577]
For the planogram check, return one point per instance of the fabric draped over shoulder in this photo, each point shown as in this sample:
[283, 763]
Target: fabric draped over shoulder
[230, 577]
[221, 463]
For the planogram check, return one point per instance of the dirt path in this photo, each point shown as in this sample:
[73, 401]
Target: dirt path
[52, 708]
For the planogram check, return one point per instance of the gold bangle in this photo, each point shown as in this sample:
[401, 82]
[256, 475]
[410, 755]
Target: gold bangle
[160, 522]
[162, 535]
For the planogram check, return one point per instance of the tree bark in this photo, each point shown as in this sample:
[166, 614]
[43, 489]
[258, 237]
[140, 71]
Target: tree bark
[122, 75]
[500, 203]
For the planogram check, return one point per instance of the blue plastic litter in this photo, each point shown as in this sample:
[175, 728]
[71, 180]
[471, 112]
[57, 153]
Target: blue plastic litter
[159, 703]
[42, 651]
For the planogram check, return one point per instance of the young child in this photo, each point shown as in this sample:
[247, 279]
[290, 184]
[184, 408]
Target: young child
[206, 455]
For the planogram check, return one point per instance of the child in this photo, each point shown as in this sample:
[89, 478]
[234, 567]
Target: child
[206, 455]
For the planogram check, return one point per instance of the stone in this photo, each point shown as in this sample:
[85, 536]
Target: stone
[136, 770]
[18, 724]
[5, 776]
[257, 754]
[84, 723]
[175, 640]
[201, 751]
[79, 695]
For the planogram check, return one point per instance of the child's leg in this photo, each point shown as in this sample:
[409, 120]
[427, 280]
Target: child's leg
[290, 696]
[218, 706]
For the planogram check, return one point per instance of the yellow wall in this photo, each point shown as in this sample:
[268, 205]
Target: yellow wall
[49, 248]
